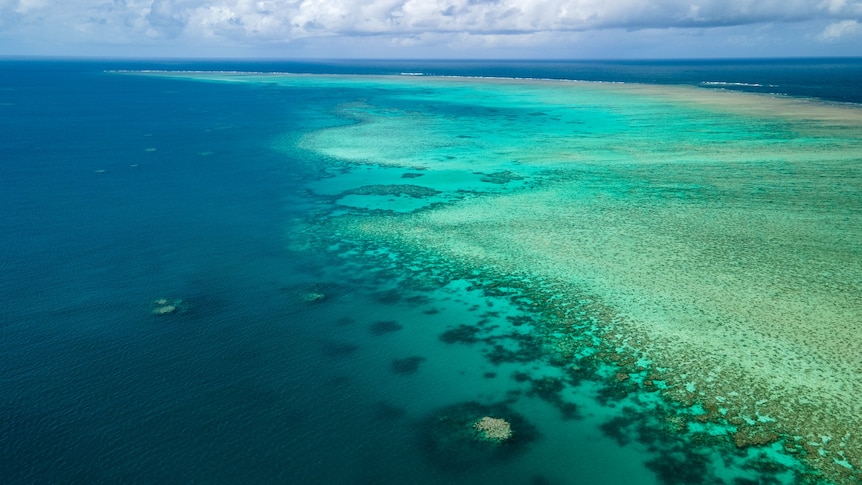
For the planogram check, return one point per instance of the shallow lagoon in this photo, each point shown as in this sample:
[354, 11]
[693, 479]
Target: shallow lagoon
[717, 232]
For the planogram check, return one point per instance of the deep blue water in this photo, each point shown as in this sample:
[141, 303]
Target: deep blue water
[117, 190]
[833, 79]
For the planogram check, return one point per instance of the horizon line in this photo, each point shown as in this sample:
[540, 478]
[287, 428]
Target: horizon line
[25, 57]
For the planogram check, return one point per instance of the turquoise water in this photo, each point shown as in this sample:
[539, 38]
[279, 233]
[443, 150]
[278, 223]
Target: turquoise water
[299, 354]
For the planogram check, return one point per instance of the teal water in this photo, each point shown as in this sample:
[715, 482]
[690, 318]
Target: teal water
[287, 360]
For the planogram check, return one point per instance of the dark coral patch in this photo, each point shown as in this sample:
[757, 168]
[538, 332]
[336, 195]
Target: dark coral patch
[415, 191]
[452, 444]
[407, 365]
[465, 334]
[385, 326]
[388, 297]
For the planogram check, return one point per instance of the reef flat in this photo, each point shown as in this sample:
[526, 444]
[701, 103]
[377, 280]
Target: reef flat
[720, 232]
[711, 239]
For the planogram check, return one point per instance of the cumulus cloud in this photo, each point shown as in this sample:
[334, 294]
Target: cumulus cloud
[324, 17]
[839, 30]
[284, 21]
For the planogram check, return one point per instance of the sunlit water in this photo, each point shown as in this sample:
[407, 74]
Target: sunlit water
[353, 270]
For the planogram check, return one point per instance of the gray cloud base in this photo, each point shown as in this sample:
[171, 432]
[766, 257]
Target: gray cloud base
[244, 23]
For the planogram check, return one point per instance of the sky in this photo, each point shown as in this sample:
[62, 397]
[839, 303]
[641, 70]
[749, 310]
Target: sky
[442, 29]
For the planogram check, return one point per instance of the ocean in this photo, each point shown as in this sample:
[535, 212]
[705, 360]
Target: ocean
[329, 272]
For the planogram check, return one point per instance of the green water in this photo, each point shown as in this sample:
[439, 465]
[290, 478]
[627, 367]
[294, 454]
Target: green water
[721, 232]
[704, 245]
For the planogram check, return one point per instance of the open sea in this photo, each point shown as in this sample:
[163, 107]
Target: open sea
[181, 303]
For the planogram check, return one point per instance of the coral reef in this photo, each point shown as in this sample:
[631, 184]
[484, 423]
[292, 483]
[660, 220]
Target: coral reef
[493, 429]
[415, 191]
[463, 333]
[747, 436]
[454, 443]
[407, 365]
[313, 297]
[314, 293]
[500, 178]
[384, 326]
[163, 306]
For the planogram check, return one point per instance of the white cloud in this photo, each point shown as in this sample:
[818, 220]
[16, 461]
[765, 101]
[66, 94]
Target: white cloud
[266, 22]
[25, 6]
[839, 30]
